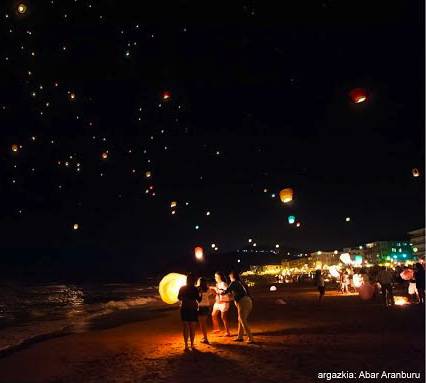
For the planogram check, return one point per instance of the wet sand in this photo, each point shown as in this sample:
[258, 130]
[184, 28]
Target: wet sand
[294, 342]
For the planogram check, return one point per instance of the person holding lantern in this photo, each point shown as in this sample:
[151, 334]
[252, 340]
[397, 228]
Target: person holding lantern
[189, 297]
[222, 304]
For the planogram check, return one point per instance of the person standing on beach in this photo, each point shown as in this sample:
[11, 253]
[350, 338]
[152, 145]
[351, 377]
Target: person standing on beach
[244, 305]
[222, 304]
[204, 307]
[189, 297]
[320, 283]
[419, 276]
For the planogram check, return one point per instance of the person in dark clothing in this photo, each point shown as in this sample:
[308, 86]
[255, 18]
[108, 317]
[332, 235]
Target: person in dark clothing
[189, 297]
[419, 276]
[320, 283]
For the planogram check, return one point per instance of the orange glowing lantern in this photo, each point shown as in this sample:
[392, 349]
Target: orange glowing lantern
[104, 155]
[199, 253]
[401, 301]
[358, 95]
[286, 195]
[169, 287]
[166, 95]
[148, 174]
[173, 204]
[407, 274]
[14, 148]
[415, 172]
[75, 226]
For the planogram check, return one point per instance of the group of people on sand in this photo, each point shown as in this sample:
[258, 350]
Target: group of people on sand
[196, 297]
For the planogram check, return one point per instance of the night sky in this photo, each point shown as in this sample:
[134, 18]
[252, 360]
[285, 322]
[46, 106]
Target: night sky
[218, 101]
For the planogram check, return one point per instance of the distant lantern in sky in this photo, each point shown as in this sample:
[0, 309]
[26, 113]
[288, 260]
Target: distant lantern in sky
[173, 204]
[104, 155]
[415, 172]
[199, 253]
[298, 224]
[22, 8]
[291, 219]
[14, 148]
[75, 226]
[286, 195]
[348, 219]
[166, 95]
[72, 96]
[148, 174]
[358, 95]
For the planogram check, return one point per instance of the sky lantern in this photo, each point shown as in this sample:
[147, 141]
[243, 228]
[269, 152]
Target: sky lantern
[348, 219]
[104, 155]
[415, 172]
[291, 219]
[166, 95]
[298, 224]
[346, 258]
[22, 8]
[334, 271]
[169, 287]
[286, 195]
[407, 274]
[173, 204]
[148, 174]
[75, 226]
[357, 280]
[72, 96]
[14, 148]
[199, 253]
[358, 95]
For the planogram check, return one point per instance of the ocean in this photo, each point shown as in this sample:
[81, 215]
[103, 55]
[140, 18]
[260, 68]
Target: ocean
[31, 313]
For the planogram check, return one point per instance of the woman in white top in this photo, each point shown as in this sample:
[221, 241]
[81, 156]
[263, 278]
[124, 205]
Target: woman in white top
[221, 305]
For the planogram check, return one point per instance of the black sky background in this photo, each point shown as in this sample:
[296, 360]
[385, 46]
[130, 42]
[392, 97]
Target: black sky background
[268, 90]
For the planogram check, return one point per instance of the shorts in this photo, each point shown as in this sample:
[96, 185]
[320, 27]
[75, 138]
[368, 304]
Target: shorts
[189, 315]
[321, 290]
[203, 310]
[222, 307]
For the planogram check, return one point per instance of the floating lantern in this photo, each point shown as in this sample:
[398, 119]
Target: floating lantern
[407, 274]
[348, 219]
[104, 155]
[148, 174]
[358, 95]
[173, 204]
[166, 96]
[273, 288]
[72, 96]
[357, 280]
[14, 148]
[415, 172]
[291, 219]
[286, 195]
[346, 258]
[298, 224]
[75, 226]
[22, 8]
[169, 287]
[199, 253]
[334, 271]
[366, 291]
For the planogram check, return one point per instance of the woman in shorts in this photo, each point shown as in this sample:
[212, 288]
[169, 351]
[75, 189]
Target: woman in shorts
[204, 307]
[222, 304]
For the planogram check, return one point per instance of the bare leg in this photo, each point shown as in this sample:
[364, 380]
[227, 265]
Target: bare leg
[243, 314]
[185, 334]
[225, 321]
[203, 326]
[192, 332]
[215, 320]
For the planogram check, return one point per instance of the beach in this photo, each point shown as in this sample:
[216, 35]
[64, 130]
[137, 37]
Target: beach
[296, 338]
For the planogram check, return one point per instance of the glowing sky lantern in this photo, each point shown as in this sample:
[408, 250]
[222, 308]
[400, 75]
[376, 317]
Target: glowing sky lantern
[173, 204]
[298, 224]
[358, 95]
[286, 195]
[148, 174]
[104, 155]
[14, 148]
[169, 287]
[357, 280]
[334, 271]
[407, 274]
[291, 219]
[199, 253]
[166, 95]
[72, 96]
[346, 258]
[273, 288]
[415, 172]
[22, 8]
[75, 226]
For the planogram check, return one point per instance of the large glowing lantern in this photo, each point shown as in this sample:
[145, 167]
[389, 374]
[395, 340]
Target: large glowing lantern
[358, 95]
[286, 195]
[334, 271]
[291, 219]
[199, 253]
[22, 8]
[366, 291]
[415, 172]
[169, 287]
[14, 148]
[346, 258]
[357, 280]
[407, 274]
[401, 301]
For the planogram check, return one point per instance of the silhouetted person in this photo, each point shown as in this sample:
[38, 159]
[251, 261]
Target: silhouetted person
[419, 276]
[320, 283]
[385, 277]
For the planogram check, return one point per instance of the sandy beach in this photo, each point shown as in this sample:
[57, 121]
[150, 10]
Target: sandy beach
[294, 342]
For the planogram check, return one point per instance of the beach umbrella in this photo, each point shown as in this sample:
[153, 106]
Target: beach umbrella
[169, 287]
[366, 291]
[358, 95]
[286, 195]
[407, 274]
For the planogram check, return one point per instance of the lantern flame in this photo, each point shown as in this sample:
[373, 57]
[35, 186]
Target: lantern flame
[169, 287]
[401, 301]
